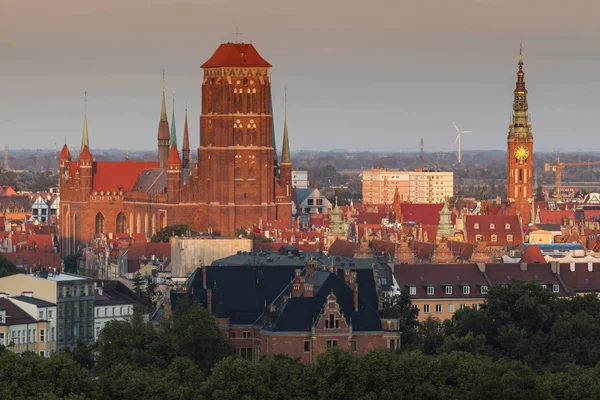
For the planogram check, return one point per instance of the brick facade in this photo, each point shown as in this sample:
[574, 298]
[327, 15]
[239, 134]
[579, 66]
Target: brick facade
[233, 184]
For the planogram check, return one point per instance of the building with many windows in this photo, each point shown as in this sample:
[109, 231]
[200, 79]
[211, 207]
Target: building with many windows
[419, 186]
[21, 332]
[73, 296]
[113, 302]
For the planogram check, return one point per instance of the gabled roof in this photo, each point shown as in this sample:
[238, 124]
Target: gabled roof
[555, 216]
[503, 274]
[115, 293]
[15, 315]
[151, 180]
[65, 153]
[109, 176]
[236, 55]
[342, 248]
[174, 158]
[488, 225]
[299, 313]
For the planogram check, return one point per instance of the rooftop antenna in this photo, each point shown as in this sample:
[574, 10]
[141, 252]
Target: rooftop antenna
[6, 158]
[457, 140]
[421, 156]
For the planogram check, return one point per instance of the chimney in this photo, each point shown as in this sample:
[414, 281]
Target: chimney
[335, 269]
[591, 267]
[99, 289]
[204, 276]
[296, 288]
[209, 300]
[523, 266]
[346, 275]
[481, 267]
[572, 266]
[28, 294]
[309, 290]
[555, 265]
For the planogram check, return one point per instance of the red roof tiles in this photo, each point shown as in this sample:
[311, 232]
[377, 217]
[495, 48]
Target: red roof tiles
[85, 154]
[174, 158]
[499, 227]
[423, 213]
[533, 255]
[555, 216]
[236, 55]
[65, 153]
[109, 176]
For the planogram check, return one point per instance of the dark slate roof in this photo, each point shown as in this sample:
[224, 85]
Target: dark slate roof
[34, 301]
[154, 179]
[15, 314]
[299, 313]
[115, 293]
[18, 201]
[273, 258]
[550, 227]
[243, 290]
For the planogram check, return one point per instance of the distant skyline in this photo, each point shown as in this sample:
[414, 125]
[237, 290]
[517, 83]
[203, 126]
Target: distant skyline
[375, 76]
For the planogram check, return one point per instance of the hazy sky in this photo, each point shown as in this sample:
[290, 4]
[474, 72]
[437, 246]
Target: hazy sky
[361, 75]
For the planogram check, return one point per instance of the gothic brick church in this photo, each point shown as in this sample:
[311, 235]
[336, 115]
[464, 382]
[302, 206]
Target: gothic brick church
[236, 181]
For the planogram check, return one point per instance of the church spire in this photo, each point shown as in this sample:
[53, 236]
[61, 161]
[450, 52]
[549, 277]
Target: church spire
[520, 125]
[520, 89]
[85, 141]
[163, 130]
[186, 141]
[285, 147]
[173, 140]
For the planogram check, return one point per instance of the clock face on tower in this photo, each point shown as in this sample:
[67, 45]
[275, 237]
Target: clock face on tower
[521, 153]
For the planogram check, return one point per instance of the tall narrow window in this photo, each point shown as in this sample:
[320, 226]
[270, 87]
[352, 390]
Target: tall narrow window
[99, 223]
[121, 223]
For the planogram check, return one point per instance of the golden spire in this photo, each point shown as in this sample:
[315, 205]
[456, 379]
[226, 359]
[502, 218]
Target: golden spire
[85, 141]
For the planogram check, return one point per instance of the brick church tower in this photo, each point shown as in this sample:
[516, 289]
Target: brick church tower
[519, 175]
[236, 154]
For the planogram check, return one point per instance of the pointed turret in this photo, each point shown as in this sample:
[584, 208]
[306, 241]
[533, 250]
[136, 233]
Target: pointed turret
[520, 125]
[285, 170]
[163, 130]
[65, 154]
[445, 228]
[85, 141]
[86, 155]
[174, 158]
[186, 142]
[173, 139]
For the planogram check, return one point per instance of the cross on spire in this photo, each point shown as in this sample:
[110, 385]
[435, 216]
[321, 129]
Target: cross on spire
[236, 35]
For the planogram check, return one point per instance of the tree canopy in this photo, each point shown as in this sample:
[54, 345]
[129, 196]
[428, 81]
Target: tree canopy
[172, 230]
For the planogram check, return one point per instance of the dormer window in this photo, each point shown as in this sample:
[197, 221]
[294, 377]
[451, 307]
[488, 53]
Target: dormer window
[506, 226]
[494, 238]
[448, 289]
[430, 290]
[555, 288]
[478, 238]
[476, 226]
[492, 226]
[412, 290]
[484, 290]
[466, 289]
[509, 238]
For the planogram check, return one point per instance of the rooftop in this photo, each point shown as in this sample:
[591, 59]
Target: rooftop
[35, 301]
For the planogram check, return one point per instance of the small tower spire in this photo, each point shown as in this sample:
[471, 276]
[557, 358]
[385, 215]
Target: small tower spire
[173, 140]
[163, 129]
[285, 147]
[186, 141]
[85, 141]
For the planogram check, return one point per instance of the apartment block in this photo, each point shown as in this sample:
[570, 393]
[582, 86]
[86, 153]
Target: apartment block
[418, 186]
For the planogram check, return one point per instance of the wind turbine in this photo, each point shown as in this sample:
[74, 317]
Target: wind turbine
[457, 140]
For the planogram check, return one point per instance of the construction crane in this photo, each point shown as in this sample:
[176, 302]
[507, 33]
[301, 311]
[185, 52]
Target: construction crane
[558, 169]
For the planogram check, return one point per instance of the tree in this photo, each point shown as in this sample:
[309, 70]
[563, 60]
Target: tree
[173, 230]
[70, 262]
[539, 194]
[236, 378]
[431, 332]
[138, 282]
[82, 354]
[335, 375]
[193, 332]
[401, 307]
[7, 268]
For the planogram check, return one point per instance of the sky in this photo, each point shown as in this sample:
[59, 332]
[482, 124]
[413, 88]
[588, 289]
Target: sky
[374, 75]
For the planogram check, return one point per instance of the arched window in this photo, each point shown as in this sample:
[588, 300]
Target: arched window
[153, 224]
[237, 173]
[162, 220]
[130, 223]
[121, 223]
[250, 173]
[99, 223]
[146, 225]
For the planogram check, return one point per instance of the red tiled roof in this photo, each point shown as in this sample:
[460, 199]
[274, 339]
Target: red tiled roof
[499, 223]
[439, 276]
[385, 247]
[555, 216]
[236, 55]
[591, 215]
[533, 255]
[28, 258]
[423, 213]
[65, 153]
[581, 280]
[371, 218]
[109, 176]
[174, 158]
[85, 154]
